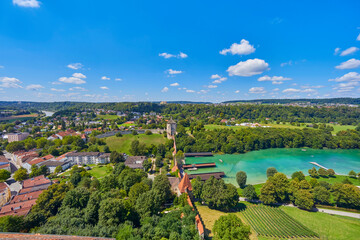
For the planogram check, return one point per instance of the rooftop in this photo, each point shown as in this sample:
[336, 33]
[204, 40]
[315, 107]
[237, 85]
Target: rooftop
[36, 181]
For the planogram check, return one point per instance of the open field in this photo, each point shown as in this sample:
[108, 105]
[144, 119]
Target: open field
[100, 171]
[122, 144]
[327, 226]
[336, 179]
[337, 128]
[330, 227]
[23, 117]
[107, 116]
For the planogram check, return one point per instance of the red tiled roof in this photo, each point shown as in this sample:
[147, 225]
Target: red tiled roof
[18, 208]
[3, 186]
[3, 159]
[199, 225]
[26, 197]
[39, 180]
[41, 159]
[4, 166]
[185, 184]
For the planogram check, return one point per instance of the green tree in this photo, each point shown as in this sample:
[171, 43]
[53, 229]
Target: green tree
[331, 172]
[11, 223]
[313, 173]
[4, 175]
[197, 186]
[75, 178]
[249, 192]
[346, 195]
[15, 146]
[147, 164]
[76, 198]
[271, 171]
[299, 175]
[116, 157]
[352, 174]
[241, 179]
[20, 174]
[304, 199]
[322, 172]
[137, 189]
[230, 227]
[58, 169]
[321, 195]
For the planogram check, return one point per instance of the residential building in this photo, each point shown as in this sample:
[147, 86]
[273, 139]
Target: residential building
[4, 163]
[135, 162]
[36, 161]
[52, 164]
[5, 193]
[13, 137]
[83, 158]
[36, 181]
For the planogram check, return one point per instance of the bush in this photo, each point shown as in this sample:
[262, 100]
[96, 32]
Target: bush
[148, 132]
[230, 227]
[249, 192]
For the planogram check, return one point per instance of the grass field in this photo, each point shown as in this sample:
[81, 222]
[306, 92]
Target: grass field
[327, 226]
[336, 179]
[107, 116]
[122, 144]
[337, 128]
[100, 171]
[23, 117]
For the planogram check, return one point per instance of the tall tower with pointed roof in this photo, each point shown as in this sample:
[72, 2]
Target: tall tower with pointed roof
[171, 129]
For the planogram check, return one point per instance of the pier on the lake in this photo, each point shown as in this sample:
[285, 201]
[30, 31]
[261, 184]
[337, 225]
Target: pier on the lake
[321, 166]
[199, 165]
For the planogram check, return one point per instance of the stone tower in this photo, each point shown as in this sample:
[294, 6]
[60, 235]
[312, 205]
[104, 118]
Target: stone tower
[171, 129]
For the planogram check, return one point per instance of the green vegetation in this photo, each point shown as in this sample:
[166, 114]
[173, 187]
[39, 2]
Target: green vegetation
[123, 144]
[336, 179]
[328, 226]
[230, 227]
[273, 222]
[108, 116]
[100, 171]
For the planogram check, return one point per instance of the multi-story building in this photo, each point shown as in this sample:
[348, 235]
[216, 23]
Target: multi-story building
[13, 137]
[171, 129]
[83, 158]
[5, 193]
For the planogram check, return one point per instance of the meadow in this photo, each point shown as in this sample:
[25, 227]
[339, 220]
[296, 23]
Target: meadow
[122, 144]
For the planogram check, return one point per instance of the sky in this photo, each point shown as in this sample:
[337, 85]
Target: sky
[114, 51]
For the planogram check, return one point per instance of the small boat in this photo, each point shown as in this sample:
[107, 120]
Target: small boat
[220, 160]
[192, 169]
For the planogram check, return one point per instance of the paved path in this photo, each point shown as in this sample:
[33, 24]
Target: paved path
[324, 210]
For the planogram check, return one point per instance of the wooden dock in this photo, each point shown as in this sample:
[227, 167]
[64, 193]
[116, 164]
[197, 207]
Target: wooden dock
[321, 166]
[206, 176]
[199, 165]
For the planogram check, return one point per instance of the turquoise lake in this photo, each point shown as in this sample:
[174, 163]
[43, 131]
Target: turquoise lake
[284, 160]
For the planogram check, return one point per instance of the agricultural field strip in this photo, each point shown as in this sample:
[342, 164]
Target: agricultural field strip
[265, 221]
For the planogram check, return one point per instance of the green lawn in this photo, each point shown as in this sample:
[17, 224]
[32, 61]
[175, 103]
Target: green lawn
[256, 186]
[100, 171]
[107, 116]
[122, 144]
[336, 179]
[328, 226]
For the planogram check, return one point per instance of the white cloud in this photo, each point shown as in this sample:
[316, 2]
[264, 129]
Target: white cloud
[242, 48]
[1, 67]
[79, 75]
[291, 90]
[105, 78]
[257, 90]
[212, 86]
[73, 80]
[57, 90]
[351, 76]
[349, 64]
[215, 76]
[358, 38]
[336, 51]
[182, 55]
[175, 84]
[77, 89]
[274, 79]
[168, 55]
[104, 88]
[349, 51]
[286, 63]
[7, 82]
[34, 87]
[172, 72]
[75, 66]
[248, 68]
[118, 79]
[190, 91]
[27, 3]
[165, 89]
[276, 89]
[237, 91]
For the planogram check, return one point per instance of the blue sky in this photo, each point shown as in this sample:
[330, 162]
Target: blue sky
[90, 50]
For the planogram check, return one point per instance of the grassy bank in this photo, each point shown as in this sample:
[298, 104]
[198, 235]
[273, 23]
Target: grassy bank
[122, 144]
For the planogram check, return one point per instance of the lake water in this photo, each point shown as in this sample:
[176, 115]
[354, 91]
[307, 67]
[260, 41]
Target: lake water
[48, 113]
[284, 160]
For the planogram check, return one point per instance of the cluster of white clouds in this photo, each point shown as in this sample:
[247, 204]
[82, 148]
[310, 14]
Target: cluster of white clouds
[274, 79]
[257, 90]
[76, 78]
[27, 3]
[8, 82]
[346, 52]
[218, 79]
[347, 82]
[173, 72]
[34, 87]
[349, 64]
[168, 55]
[75, 66]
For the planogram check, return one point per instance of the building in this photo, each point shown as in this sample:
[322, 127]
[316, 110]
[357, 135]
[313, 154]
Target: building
[83, 158]
[5, 193]
[36, 161]
[52, 164]
[135, 162]
[13, 137]
[171, 129]
[4, 163]
[35, 182]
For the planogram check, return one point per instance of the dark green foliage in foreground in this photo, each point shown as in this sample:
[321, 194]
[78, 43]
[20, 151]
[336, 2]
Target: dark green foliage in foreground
[230, 227]
[249, 192]
[241, 178]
